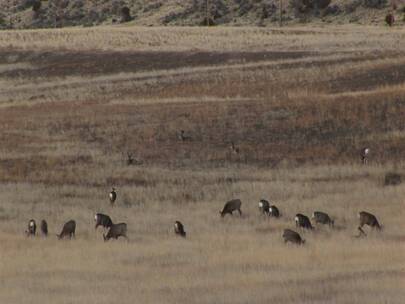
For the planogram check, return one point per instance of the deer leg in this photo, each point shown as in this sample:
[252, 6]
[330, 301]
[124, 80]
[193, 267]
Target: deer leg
[240, 212]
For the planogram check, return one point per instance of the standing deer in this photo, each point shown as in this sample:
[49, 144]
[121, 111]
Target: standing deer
[364, 155]
[231, 206]
[264, 206]
[369, 219]
[115, 231]
[32, 228]
[44, 228]
[179, 229]
[68, 230]
[113, 196]
[293, 237]
[303, 221]
[322, 218]
[182, 136]
[234, 149]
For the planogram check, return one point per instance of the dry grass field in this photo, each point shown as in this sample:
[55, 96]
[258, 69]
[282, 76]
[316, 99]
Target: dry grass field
[298, 102]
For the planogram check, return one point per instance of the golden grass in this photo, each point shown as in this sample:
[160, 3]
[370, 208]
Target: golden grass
[298, 121]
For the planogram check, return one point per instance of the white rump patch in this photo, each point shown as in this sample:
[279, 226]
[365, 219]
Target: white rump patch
[358, 214]
[296, 219]
[261, 204]
[31, 224]
[313, 215]
[95, 217]
[366, 150]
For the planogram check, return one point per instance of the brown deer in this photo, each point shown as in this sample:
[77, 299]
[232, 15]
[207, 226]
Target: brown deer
[322, 218]
[113, 196]
[115, 231]
[68, 230]
[231, 206]
[369, 219]
[293, 237]
[264, 206]
[303, 221]
[102, 220]
[32, 228]
[179, 229]
[44, 228]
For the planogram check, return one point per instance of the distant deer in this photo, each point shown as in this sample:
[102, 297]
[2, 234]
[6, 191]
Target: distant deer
[364, 155]
[112, 196]
[303, 221]
[115, 231]
[44, 228]
[132, 161]
[231, 206]
[102, 220]
[322, 218]
[179, 229]
[390, 19]
[32, 228]
[264, 206]
[68, 230]
[369, 219]
[293, 237]
[182, 136]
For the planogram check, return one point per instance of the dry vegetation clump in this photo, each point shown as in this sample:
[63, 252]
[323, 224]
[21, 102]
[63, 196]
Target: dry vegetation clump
[268, 114]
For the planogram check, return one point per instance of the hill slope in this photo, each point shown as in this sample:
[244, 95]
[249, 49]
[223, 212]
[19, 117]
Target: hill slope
[60, 13]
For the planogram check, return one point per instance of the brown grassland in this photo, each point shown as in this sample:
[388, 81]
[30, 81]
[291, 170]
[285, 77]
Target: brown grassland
[299, 102]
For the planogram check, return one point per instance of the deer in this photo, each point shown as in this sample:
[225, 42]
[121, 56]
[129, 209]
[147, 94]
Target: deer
[273, 211]
[234, 149]
[322, 218]
[264, 206]
[68, 230]
[32, 228]
[115, 231]
[132, 161]
[182, 136]
[179, 229]
[231, 206]
[113, 196]
[369, 219]
[44, 228]
[102, 220]
[303, 221]
[364, 155]
[293, 237]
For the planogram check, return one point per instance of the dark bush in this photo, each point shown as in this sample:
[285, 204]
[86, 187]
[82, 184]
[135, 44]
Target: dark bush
[389, 19]
[125, 14]
[374, 3]
[392, 179]
[36, 6]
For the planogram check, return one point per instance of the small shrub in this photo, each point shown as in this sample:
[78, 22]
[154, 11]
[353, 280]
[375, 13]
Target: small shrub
[374, 3]
[36, 6]
[125, 14]
[389, 19]
[392, 179]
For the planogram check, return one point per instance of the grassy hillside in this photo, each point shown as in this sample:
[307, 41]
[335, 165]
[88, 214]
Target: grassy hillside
[61, 13]
[298, 102]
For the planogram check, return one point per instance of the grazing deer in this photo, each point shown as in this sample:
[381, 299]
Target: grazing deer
[179, 229]
[113, 196]
[132, 161]
[68, 230]
[115, 231]
[182, 136]
[44, 228]
[264, 206]
[102, 220]
[273, 211]
[32, 228]
[369, 219]
[293, 237]
[364, 155]
[231, 206]
[303, 221]
[322, 218]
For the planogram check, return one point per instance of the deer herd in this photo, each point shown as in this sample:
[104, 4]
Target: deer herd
[114, 231]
